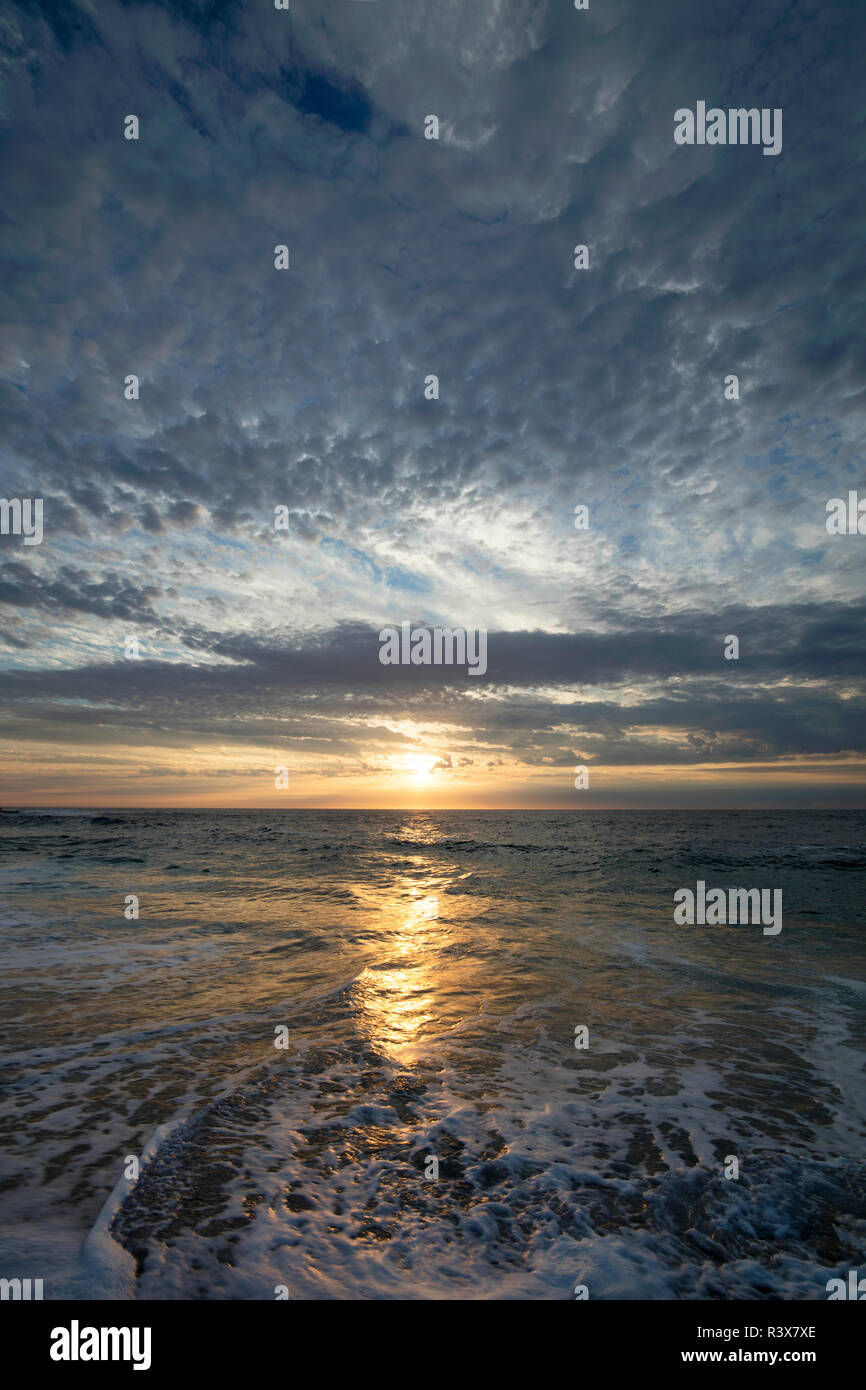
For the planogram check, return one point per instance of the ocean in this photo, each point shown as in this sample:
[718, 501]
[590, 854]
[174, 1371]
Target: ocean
[503, 1070]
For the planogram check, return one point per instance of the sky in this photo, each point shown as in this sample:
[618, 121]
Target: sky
[304, 389]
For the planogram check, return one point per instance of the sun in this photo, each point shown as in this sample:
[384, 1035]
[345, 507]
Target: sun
[420, 766]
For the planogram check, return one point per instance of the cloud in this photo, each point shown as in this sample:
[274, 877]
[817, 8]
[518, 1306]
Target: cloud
[409, 257]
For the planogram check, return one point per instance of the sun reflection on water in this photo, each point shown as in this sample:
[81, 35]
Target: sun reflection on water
[396, 1000]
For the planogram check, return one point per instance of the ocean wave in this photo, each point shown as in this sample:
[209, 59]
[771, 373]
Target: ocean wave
[291, 1179]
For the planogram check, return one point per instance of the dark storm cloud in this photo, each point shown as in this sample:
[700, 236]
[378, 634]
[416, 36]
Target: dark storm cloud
[75, 591]
[805, 642]
[710, 709]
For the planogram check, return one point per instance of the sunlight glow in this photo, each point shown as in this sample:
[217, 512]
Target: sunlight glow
[419, 766]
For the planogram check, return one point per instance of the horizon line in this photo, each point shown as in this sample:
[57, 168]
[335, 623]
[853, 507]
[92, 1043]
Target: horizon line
[441, 810]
